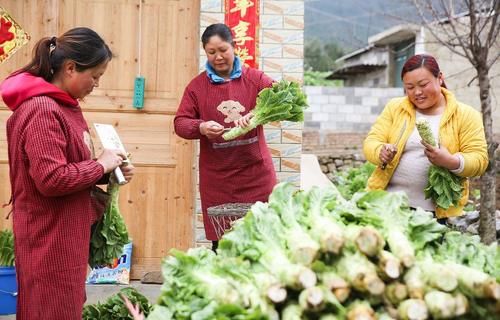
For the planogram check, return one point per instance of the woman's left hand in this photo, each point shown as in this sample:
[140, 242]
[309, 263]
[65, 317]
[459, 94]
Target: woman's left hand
[134, 311]
[128, 171]
[441, 157]
[244, 121]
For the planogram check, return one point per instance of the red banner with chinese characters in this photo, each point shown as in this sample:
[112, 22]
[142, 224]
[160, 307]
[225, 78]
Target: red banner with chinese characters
[242, 17]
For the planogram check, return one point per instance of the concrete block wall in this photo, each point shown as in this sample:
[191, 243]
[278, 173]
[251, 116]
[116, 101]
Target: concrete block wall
[338, 118]
[281, 56]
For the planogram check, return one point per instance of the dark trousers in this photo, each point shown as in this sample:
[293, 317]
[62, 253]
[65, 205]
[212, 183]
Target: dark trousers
[442, 221]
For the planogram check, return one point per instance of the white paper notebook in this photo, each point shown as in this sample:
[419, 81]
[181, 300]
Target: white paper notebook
[110, 140]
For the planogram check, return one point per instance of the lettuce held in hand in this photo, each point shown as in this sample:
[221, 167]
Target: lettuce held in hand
[110, 233]
[443, 187]
[283, 101]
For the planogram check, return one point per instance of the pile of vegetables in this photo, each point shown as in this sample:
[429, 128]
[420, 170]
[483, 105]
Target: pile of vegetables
[114, 307]
[110, 233]
[283, 101]
[316, 255]
[353, 180]
[444, 187]
[7, 256]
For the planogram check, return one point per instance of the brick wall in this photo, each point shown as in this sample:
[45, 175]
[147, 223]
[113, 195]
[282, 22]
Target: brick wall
[339, 118]
[281, 48]
[328, 142]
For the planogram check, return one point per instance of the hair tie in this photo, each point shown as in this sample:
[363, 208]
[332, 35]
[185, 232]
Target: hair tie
[52, 45]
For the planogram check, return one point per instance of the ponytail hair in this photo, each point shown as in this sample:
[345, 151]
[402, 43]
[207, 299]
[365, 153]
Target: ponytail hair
[81, 45]
[422, 61]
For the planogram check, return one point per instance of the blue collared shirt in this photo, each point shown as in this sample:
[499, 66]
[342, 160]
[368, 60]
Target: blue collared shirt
[235, 73]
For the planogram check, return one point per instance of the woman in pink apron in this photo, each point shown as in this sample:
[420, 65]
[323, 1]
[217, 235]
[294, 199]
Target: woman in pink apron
[236, 171]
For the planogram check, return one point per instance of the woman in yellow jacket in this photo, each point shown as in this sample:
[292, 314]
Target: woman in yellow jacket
[403, 160]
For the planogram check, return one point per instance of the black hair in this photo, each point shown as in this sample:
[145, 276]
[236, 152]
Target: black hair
[81, 45]
[217, 29]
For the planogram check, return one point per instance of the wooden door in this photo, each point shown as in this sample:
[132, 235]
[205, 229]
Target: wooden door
[158, 204]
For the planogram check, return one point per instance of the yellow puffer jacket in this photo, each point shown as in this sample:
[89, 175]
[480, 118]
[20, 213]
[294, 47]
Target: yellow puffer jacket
[460, 131]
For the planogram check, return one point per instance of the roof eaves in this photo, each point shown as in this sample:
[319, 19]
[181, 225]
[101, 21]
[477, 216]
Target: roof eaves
[343, 72]
[354, 53]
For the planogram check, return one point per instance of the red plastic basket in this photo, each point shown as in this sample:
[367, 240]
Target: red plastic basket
[223, 216]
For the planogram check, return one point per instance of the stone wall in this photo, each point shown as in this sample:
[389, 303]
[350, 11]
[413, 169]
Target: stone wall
[331, 165]
[281, 49]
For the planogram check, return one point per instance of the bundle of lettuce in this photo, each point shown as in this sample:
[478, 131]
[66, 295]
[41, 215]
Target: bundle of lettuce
[110, 233]
[353, 180]
[283, 101]
[316, 255]
[443, 187]
[7, 256]
[114, 307]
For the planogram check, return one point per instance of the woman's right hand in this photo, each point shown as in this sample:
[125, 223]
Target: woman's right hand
[387, 153]
[211, 129]
[110, 159]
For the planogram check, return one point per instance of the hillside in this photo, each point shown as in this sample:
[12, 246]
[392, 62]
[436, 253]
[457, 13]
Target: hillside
[350, 23]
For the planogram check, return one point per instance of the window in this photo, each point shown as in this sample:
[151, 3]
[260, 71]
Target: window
[401, 52]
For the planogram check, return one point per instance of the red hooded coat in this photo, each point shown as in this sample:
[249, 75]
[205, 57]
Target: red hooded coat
[51, 173]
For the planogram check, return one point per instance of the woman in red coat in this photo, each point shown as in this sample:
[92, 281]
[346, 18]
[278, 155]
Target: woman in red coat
[237, 171]
[52, 172]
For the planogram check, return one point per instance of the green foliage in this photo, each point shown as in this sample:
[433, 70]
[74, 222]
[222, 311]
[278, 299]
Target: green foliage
[318, 78]
[469, 251]
[200, 285]
[353, 180]
[283, 101]
[444, 188]
[327, 256]
[110, 233]
[320, 56]
[474, 201]
[6, 248]
[114, 308]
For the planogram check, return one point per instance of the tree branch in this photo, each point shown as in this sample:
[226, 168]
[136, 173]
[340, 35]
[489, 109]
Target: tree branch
[431, 26]
[474, 46]
[471, 80]
[494, 27]
[493, 61]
